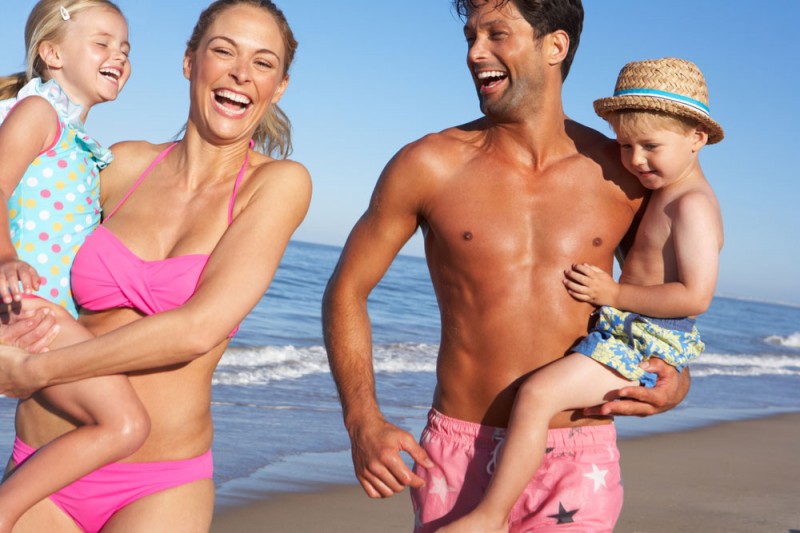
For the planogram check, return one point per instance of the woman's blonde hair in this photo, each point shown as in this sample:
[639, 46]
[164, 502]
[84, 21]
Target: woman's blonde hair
[47, 22]
[274, 132]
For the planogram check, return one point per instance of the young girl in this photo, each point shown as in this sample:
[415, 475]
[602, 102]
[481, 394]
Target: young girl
[659, 112]
[77, 56]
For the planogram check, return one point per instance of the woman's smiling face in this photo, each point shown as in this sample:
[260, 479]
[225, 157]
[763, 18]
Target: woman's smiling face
[237, 71]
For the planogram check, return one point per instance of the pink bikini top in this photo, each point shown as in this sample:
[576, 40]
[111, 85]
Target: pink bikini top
[106, 274]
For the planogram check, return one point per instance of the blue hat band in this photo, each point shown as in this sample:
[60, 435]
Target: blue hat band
[664, 95]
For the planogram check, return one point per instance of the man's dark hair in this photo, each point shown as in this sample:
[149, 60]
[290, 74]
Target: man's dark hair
[544, 16]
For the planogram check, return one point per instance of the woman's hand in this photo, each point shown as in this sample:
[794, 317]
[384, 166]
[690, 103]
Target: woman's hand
[16, 378]
[32, 330]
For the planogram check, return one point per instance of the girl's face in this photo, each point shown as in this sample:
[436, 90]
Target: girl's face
[90, 62]
[236, 73]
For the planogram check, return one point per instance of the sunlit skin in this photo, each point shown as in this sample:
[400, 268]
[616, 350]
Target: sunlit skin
[670, 272]
[88, 59]
[237, 75]
[181, 209]
[671, 269]
[91, 62]
[659, 158]
[505, 203]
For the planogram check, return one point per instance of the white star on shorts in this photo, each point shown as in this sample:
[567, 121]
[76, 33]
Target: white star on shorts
[598, 476]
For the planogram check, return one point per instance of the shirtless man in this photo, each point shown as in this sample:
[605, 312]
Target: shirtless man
[506, 204]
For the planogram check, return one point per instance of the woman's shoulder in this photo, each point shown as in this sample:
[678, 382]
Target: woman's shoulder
[135, 151]
[131, 158]
[273, 179]
[267, 170]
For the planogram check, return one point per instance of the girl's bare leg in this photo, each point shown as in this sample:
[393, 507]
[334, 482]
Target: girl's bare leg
[112, 425]
[573, 382]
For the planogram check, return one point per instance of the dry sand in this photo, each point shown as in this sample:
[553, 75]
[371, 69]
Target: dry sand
[733, 477]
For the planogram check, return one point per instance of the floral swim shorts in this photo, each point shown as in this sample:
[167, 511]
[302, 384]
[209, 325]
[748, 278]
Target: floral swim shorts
[622, 340]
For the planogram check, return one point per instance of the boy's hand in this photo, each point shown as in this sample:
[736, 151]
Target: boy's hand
[14, 273]
[587, 283]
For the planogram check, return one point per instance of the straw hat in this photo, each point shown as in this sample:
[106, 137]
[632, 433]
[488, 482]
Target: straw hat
[669, 85]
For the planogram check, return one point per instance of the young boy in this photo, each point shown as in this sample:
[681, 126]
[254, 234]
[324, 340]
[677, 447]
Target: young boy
[659, 113]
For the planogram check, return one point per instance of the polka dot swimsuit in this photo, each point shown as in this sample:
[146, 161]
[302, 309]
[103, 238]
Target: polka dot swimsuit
[57, 202]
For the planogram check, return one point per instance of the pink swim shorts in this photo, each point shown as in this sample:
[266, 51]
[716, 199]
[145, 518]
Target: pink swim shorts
[577, 488]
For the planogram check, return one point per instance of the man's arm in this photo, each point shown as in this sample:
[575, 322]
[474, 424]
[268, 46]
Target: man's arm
[670, 390]
[378, 236]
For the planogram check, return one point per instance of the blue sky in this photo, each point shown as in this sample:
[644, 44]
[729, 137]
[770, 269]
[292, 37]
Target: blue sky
[371, 76]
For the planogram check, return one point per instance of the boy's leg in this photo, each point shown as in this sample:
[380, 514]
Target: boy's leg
[575, 381]
[578, 486]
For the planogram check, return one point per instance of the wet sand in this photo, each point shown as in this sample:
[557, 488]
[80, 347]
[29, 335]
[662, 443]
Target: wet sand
[739, 476]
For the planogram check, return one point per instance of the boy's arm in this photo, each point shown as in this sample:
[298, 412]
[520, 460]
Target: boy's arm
[696, 237]
[30, 128]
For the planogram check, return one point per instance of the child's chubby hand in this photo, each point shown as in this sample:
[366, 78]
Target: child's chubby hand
[16, 278]
[588, 283]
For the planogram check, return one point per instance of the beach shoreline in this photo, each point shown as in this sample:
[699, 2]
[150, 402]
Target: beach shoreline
[739, 476]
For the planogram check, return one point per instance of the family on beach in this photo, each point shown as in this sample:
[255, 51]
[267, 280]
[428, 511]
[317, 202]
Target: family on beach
[522, 212]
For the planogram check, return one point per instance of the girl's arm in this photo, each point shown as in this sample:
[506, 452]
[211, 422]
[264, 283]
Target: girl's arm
[697, 239]
[30, 128]
[238, 274]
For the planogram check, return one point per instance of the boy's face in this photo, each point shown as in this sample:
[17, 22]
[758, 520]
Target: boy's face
[660, 156]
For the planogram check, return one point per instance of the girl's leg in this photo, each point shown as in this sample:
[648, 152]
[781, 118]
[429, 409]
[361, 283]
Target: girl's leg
[573, 382]
[112, 425]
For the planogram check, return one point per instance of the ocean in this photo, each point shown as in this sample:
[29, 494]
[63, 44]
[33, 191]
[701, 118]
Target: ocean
[277, 417]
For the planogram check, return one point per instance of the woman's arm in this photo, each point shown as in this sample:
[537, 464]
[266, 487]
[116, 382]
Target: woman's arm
[237, 275]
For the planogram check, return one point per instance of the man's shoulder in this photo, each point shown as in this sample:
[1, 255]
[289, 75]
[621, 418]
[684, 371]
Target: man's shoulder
[444, 142]
[591, 143]
[446, 149]
[603, 152]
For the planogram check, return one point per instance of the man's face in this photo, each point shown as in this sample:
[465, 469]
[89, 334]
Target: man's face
[504, 58]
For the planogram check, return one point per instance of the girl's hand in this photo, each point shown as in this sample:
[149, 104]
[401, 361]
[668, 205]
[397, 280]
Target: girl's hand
[14, 273]
[587, 283]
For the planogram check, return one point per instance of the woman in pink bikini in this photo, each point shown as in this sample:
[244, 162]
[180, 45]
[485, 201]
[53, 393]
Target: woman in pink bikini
[193, 233]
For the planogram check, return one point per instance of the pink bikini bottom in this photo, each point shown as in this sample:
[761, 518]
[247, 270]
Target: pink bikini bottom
[92, 500]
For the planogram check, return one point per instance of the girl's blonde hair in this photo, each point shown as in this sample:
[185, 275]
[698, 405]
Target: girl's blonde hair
[274, 132]
[45, 23]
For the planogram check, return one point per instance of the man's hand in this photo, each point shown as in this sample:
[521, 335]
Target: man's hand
[377, 462]
[670, 389]
[32, 331]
